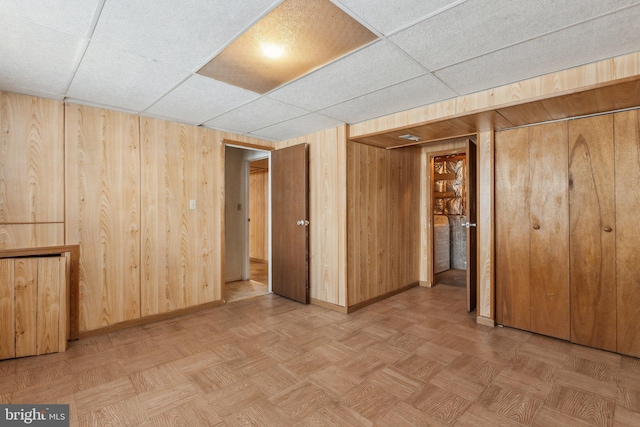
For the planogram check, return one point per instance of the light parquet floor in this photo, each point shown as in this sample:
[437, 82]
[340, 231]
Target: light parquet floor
[416, 359]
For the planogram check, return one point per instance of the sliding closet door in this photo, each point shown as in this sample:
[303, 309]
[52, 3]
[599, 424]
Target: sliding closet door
[549, 228]
[512, 184]
[627, 138]
[593, 232]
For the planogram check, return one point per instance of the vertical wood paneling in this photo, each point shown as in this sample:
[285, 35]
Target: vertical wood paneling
[48, 305]
[210, 215]
[627, 177]
[18, 236]
[486, 225]
[512, 184]
[31, 159]
[7, 309]
[180, 246]
[549, 230]
[258, 206]
[103, 212]
[383, 204]
[593, 232]
[168, 225]
[26, 292]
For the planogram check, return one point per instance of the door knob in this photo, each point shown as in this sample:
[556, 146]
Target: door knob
[302, 222]
[468, 224]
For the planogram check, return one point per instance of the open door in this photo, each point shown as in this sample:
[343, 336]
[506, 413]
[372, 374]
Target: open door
[290, 222]
[470, 180]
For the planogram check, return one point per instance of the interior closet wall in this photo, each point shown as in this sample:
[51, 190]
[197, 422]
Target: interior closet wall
[566, 267]
[383, 202]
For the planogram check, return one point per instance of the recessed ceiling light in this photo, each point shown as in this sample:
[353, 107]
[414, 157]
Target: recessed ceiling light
[272, 50]
[410, 137]
[301, 34]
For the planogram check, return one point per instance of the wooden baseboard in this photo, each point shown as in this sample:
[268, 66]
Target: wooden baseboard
[425, 284]
[481, 320]
[374, 300]
[150, 319]
[328, 305]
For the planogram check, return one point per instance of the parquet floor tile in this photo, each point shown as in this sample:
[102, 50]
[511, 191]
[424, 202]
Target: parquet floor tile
[417, 358]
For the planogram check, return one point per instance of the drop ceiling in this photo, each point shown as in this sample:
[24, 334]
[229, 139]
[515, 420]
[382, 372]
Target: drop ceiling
[142, 56]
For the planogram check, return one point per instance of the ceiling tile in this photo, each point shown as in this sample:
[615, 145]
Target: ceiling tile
[115, 78]
[34, 58]
[299, 126]
[606, 37]
[186, 34]
[256, 115]
[386, 16]
[69, 16]
[477, 27]
[403, 96]
[374, 67]
[199, 99]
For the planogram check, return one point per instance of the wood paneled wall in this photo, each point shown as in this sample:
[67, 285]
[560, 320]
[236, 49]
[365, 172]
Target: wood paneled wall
[103, 212]
[180, 246]
[383, 221]
[258, 213]
[327, 213]
[31, 171]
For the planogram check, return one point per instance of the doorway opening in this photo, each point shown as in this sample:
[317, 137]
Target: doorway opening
[452, 236]
[449, 216]
[247, 223]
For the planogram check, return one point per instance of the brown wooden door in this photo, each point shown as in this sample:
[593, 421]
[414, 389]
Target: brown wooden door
[592, 232]
[472, 249]
[513, 281]
[548, 226]
[290, 237]
[627, 140]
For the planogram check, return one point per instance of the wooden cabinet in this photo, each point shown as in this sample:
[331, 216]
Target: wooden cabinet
[574, 272]
[33, 306]
[532, 236]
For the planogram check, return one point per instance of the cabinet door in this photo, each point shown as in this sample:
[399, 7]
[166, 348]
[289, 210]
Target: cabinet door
[513, 292]
[549, 228]
[627, 140]
[7, 310]
[592, 232]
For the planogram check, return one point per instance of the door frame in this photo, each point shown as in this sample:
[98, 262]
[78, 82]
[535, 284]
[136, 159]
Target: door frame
[430, 232]
[245, 165]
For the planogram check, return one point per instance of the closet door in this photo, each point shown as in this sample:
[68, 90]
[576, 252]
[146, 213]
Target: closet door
[627, 176]
[549, 230]
[512, 184]
[592, 232]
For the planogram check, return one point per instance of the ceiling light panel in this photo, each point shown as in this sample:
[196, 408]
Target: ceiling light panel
[293, 39]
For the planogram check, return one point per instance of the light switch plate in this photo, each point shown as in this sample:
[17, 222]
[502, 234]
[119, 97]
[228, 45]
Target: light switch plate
[192, 204]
